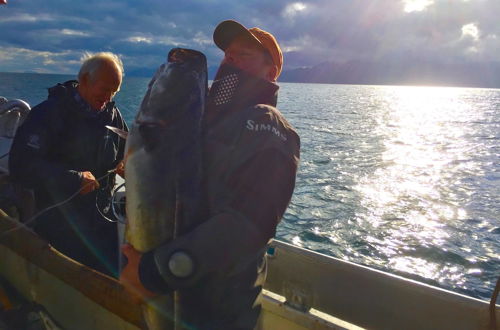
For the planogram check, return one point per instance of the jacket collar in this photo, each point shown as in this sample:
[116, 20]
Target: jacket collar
[69, 92]
[233, 89]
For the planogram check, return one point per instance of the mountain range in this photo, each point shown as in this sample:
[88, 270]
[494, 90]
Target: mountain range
[414, 72]
[471, 74]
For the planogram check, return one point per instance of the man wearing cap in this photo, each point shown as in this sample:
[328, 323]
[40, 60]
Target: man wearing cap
[251, 155]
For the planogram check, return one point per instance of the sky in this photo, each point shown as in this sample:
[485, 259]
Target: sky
[50, 36]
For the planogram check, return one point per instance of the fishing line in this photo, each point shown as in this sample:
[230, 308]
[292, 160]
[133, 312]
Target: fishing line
[115, 213]
[33, 218]
[112, 206]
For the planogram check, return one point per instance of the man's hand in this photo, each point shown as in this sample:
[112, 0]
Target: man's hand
[129, 276]
[89, 183]
[120, 169]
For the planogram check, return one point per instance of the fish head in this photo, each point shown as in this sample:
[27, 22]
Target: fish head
[165, 132]
[178, 90]
[176, 85]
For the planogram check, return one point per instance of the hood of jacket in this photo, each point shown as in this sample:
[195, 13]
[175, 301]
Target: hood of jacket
[67, 93]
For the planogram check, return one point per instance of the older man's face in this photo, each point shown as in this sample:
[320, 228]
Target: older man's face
[99, 91]
[249, 57]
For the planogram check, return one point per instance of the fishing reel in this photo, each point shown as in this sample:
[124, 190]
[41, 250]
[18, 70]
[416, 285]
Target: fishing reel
[118, 200]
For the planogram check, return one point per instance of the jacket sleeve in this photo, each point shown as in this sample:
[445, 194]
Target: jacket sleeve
[29, 161]
[261, 189]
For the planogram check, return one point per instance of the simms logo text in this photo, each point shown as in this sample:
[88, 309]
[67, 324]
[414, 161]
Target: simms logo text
[256, 127]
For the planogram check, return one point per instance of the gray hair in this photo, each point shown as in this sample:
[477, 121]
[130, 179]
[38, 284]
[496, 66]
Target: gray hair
[92, 62]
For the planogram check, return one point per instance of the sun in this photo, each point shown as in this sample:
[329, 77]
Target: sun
[416, 5]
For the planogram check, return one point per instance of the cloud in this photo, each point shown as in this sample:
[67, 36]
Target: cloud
[310, 32]
[470, 30]
[69, 32]
[27, 18]
[22, 60]
[293, 9]
[139, 40]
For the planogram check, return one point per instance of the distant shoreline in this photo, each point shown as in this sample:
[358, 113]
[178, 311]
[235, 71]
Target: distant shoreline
[407, 84]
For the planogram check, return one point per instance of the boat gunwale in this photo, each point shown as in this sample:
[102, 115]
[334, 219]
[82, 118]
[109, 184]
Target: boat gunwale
[100, 288]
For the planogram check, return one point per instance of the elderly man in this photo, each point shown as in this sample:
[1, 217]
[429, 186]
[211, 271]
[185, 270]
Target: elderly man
[251, 156]
[64, 149]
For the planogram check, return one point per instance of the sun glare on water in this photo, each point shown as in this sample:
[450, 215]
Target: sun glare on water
[408, 197]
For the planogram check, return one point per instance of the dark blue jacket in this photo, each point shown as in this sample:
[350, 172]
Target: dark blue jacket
[61, 138]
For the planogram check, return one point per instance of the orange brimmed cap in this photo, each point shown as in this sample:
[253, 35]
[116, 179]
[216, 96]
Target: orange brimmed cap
[226, 31]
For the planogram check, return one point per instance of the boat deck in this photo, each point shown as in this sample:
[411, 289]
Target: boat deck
[304, 290]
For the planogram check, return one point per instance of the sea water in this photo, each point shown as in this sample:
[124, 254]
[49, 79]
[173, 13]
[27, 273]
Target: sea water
[401, 179]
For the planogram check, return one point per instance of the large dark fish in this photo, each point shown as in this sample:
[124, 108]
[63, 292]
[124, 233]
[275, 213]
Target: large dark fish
[163, 162]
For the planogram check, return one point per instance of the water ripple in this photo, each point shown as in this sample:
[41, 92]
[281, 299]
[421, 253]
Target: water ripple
[401, 179]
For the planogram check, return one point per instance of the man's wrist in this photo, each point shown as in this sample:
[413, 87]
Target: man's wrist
[150, 276]
[163, 272]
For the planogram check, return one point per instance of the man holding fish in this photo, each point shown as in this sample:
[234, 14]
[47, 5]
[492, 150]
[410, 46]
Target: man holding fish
[250, 157]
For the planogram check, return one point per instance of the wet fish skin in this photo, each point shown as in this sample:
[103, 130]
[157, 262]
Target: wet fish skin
[163, 142]
[163, 163]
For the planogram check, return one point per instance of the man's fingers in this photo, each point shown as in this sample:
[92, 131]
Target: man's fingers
[126, 249]
[120, 169]
[89, 183]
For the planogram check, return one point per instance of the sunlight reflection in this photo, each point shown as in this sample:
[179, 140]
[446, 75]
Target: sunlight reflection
[414, 266]
[430, 270]
[422, 153]
[297, 241]
[416, 5]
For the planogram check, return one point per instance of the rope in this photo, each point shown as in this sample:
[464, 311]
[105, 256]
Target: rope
[33, 218]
